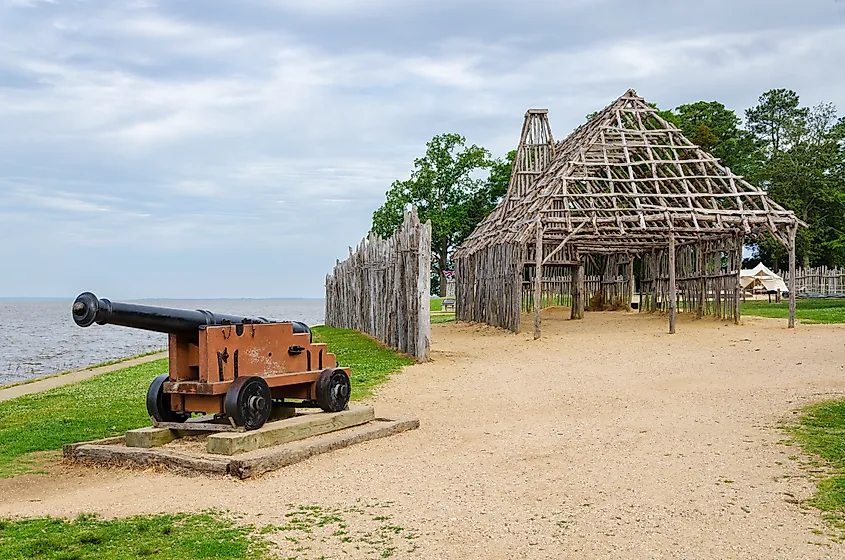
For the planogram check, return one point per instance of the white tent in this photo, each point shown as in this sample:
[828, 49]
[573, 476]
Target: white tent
[761, 277]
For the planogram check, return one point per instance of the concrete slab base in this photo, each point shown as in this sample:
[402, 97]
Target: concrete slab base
[195, 460]
[153, 436]
[286, 431]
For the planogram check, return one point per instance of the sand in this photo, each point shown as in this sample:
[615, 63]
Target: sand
[607, 438]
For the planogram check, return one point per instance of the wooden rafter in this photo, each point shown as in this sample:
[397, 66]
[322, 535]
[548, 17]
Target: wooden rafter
[625, 179]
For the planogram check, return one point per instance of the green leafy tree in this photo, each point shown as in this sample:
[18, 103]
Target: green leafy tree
[718, 131]
[445, 187]
[777, 120]
[802, 169]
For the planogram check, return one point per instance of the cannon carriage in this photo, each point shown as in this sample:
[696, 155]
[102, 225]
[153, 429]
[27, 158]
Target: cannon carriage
[229, 366]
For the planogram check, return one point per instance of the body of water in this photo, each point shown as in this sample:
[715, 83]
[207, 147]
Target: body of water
[39, 337]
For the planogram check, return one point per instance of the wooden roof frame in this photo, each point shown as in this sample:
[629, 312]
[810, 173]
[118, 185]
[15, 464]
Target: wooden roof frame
[625, 181]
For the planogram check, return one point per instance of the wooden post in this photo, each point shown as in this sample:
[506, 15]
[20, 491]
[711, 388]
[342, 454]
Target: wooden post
[631, 282]
[702, 279]
[792, 229]
[578, 292]
[673, 296]
[423, 296]
[582, 291]
[738, 286]
[538, 275]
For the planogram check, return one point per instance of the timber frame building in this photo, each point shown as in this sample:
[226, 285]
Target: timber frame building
[624, 189]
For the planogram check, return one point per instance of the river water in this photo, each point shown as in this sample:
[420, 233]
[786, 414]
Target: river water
[39, 337]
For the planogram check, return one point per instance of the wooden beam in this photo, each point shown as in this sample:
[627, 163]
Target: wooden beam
[578, 292]
[562, 243]
[673, 296]
[702, 278]
[792, 276]
[630, 169]
[630, 281]
[538, 276]
[738, 285]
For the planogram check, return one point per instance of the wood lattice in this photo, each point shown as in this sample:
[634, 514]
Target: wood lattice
[621, 182]
[626, 185]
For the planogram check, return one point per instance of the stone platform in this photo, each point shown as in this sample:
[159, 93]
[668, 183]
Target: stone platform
[242, 454]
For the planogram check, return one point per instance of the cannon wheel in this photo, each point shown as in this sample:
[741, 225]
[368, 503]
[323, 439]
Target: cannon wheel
[333, 390]
[248, 402]
[158, 402]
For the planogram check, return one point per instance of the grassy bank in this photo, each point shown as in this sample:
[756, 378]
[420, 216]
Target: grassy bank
[34, 427]
[154, 536]
[370, 362]
[806, 310]
[95, 366]
[821, 432]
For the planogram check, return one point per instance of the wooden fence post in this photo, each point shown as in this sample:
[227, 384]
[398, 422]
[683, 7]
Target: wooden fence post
[578, 292]
[538, 276]
[673, 296]
[423, 295]
[738, 286]
[792, 229]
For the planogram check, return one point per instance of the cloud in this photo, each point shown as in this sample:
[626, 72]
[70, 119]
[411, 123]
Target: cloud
[268, 131]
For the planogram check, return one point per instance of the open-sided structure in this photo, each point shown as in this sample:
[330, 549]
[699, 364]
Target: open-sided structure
[627, 186]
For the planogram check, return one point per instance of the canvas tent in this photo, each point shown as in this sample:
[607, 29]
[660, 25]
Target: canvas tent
[760, 277]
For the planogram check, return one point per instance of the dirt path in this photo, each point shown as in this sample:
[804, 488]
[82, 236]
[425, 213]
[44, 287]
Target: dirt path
[606, 439]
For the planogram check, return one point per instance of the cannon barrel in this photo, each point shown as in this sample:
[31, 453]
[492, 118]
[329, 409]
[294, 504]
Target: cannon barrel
[88, 309]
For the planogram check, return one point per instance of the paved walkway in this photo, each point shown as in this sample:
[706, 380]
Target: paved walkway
[72, 377]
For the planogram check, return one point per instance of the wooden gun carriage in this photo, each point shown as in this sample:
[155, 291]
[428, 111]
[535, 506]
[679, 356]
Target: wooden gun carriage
[226, 365]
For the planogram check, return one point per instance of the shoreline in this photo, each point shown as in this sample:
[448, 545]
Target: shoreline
[83, 373]
[68, 378]
[71, 371]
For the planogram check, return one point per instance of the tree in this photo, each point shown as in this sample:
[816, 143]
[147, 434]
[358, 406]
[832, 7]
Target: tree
[446, 190]
[777, 120]
[802, 156]
[717, 130]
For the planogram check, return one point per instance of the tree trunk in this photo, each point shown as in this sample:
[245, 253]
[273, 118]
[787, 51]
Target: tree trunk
[444, 248]
[805, 244]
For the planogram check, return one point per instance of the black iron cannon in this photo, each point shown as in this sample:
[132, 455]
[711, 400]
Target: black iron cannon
[227, 365]
[88, 309]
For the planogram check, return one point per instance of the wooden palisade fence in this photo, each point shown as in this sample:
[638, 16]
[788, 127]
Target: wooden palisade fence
[819, 280]
[383, 289]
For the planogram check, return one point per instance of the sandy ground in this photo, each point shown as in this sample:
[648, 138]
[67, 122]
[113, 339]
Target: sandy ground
[606, 439]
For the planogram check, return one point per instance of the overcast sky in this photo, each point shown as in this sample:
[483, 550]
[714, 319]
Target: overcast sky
[236, 149]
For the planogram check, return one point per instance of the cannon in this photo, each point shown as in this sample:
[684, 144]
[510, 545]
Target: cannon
[229, 366]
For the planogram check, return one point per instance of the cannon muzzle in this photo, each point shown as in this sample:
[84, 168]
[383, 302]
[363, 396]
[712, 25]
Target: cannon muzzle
[88, 309]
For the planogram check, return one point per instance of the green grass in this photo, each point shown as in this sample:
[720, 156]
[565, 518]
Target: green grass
[437, 305]
[370, 362]
[364, 530]
[103, 406]
[119, 360]
[155, 537]
[821, 432]
[806, 310]
[33, 426]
